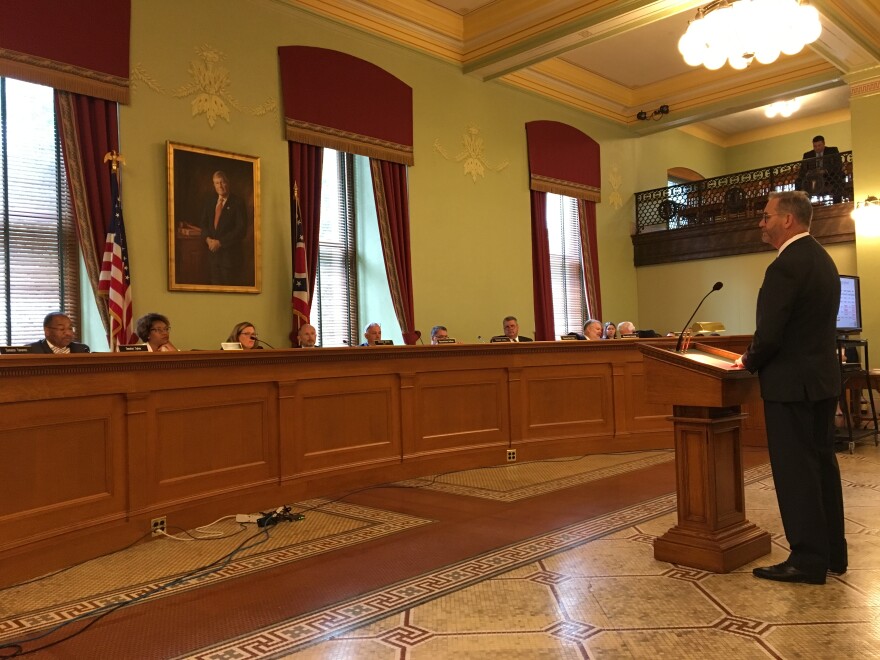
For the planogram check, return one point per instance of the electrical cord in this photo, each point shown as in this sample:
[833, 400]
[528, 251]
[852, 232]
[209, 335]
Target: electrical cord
[268, 520]
[17, 647]
[207, 535]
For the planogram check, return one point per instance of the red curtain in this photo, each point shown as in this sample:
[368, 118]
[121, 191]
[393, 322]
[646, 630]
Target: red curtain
[590, 255]
[306, 163]
[541, 283]
[89, 129]
[392, 209]
[564, 161]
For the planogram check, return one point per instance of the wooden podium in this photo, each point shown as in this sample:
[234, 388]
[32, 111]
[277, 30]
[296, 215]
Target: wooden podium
[706, 396]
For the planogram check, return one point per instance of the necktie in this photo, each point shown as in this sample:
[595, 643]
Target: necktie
[217, 212]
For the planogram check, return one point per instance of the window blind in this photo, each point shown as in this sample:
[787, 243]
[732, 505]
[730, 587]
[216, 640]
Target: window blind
[335, 306]
[566, 265]
[39, 270]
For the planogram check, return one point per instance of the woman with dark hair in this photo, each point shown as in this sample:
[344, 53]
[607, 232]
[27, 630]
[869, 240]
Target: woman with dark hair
[609, 331]
[154, 330]
[245, 334]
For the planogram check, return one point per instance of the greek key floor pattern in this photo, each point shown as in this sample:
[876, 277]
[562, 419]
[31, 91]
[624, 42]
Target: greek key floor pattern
[551, 560]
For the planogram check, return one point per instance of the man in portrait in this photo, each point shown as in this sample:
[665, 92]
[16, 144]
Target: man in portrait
[224, 224]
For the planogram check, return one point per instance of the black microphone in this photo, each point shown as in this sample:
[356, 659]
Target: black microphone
[260, 341]
[715, 287]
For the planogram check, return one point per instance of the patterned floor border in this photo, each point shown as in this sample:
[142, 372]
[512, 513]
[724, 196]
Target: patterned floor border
[296, 634]
[383, 523]
[532, 490]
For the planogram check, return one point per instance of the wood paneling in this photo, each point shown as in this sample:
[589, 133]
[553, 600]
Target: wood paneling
[93, 446]
[63, 466]
[346, 422]
[459, 409]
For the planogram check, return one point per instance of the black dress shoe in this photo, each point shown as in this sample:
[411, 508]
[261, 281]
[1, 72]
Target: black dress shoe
[785, 572]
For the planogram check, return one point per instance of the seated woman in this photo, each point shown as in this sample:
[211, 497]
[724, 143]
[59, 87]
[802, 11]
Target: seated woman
[245, 334]
[153, 329]
[609, 331]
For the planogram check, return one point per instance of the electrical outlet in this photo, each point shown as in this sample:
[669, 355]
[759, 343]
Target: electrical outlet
[511, 455]
[158, 525]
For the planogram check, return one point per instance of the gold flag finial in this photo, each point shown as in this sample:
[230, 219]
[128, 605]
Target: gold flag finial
[115, 158]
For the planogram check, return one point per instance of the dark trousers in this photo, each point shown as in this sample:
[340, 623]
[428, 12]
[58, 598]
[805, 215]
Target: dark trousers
[800, 437]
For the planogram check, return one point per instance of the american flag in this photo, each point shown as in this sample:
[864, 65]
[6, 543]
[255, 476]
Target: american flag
[300, 272]
[115, 278]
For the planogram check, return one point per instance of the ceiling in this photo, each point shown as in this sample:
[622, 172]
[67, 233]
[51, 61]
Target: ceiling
[614, 58]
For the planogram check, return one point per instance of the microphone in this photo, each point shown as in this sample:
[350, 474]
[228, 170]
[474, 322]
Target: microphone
[715, 287]
[260, 341]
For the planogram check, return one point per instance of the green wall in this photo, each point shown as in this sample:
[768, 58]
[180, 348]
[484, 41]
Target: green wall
[470, 237]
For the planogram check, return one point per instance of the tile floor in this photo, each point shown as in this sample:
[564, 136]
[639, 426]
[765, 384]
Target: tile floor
[545, 560]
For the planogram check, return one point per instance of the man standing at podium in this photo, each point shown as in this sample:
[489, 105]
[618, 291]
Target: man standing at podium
[794, 352]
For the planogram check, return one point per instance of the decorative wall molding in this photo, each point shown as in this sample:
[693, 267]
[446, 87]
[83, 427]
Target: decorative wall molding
[209, 88]
[472, 156]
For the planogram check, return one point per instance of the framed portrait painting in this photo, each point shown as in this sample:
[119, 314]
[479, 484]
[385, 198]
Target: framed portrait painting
[213, 220]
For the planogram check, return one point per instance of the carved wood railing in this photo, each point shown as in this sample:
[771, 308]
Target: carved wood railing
[719, 216]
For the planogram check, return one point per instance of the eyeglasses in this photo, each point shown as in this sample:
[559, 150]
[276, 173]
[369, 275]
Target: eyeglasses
[767, 216]
[247, 334]
[61, 328]
[161, 329]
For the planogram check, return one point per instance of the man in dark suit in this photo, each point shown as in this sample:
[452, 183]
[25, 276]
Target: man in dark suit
[224, 225]
[59, 336]
[372, 334]
[794, 351]
[511, 329]
[821, 171]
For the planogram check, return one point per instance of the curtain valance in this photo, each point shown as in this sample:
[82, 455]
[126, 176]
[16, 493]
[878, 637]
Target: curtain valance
[336, 100]
[563, 160]
[80, 47]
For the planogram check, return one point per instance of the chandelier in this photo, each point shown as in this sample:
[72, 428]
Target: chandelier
[739, 31]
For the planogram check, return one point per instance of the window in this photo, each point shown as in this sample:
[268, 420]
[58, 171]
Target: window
[335, 307]
[566, 265]
[39, 267]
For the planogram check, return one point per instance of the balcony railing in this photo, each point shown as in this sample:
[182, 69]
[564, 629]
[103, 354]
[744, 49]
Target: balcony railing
[744, 194]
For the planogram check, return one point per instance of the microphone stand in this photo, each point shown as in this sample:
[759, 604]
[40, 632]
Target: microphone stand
[265, 343]
[678, 346]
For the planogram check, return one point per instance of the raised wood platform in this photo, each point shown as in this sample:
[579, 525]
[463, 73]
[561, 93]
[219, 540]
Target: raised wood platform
[95, 446]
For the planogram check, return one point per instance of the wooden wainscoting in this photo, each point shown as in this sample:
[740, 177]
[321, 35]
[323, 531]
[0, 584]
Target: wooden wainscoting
[96, 445]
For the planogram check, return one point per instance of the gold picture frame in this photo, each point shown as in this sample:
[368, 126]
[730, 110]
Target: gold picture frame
[213, 246]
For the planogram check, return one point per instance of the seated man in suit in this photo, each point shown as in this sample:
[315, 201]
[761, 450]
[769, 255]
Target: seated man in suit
[626, 329]
[307, 336]
[511, 329]
[438, 332]
[372, 334]
[59, 336]
[593, 330]
[821, 171]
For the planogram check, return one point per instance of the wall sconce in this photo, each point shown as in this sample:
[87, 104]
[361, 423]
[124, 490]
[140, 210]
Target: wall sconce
[867, 211]
[657, 114]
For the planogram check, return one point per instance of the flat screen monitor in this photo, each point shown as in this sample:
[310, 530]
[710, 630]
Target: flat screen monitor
[849, 314]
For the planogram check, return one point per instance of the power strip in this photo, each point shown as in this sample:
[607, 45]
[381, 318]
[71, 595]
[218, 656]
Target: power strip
[248, 517]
